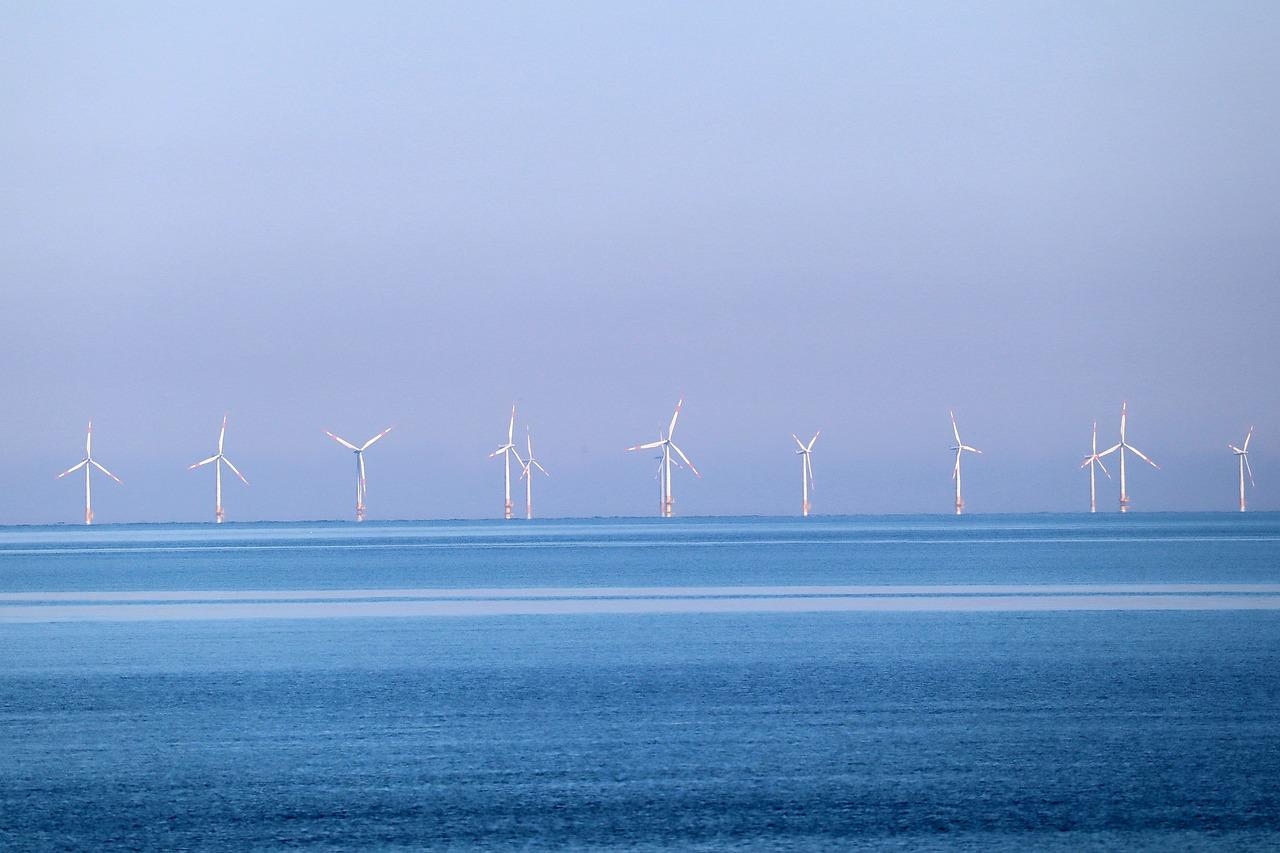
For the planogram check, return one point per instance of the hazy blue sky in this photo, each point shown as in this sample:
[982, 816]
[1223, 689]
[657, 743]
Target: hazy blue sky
[846, 216]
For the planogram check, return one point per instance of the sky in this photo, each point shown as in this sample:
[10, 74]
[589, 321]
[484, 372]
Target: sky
[850, 217]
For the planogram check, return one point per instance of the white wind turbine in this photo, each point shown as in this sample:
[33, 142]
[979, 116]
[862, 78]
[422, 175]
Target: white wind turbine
[960, 447]
[526, 474]
[1122, 447]
[88, 463]
[1094, 460]
[664, 466]
[508, 450]
[361, 487]
[1242, 453]
[218, 459]
[806, 469]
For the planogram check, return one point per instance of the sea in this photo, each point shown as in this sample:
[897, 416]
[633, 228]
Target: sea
[985, 682]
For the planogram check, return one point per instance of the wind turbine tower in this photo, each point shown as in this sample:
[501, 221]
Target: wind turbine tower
[1094, 460]
[218, 460]
[960, 447]
[664, 441]
[1122, 447]
[508, 450]
[1242, 453]
[526, 474]
[806, 470]
[88, 464]
[361, 485]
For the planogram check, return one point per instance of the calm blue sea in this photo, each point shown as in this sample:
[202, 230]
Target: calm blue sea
[903, 683]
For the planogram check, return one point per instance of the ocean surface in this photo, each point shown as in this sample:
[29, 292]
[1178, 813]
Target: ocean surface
[1056, 682]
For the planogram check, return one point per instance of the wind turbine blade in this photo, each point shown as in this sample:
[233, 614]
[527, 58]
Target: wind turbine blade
[814, 439]
[524, 470]
[370, 442]
[341, 441]
[1104, 469]
[1235, 449]
[499, 451]
[104, 470]
[648, 446]
[1109, 451]
[671, 429]
[1124, 417]
[799, 443]
[1141, 456]
[538, 465]
[970, 449]
[202, 462]
[88, 441]
[1087, 460]
[516, 454]
[511, 427]
[236, 470]
[223, 434]
[1250, 470]
[686, 461]
[1246, 440]
[74, 468]
[955, 429]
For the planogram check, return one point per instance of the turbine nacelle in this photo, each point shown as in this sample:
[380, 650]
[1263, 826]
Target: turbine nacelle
[529, 463]
[1244, 450]
[1095, 458]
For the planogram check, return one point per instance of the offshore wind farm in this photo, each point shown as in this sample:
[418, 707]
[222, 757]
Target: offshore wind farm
[942, 258]
[666, 460]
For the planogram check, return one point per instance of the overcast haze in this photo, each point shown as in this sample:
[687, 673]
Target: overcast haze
[799, 216]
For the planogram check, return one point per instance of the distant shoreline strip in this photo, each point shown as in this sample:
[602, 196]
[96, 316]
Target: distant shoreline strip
[54, 551]
[190, 605]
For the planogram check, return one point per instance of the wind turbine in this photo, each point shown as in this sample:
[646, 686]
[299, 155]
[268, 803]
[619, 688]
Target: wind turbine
[664, 466]
[960, 447]
[218, 460]
[527, 475]
[806, 469]
[1094, 460]
[1122, 447]
[361, 488]
[508, 450]
[1242, 453]
[88, 463]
